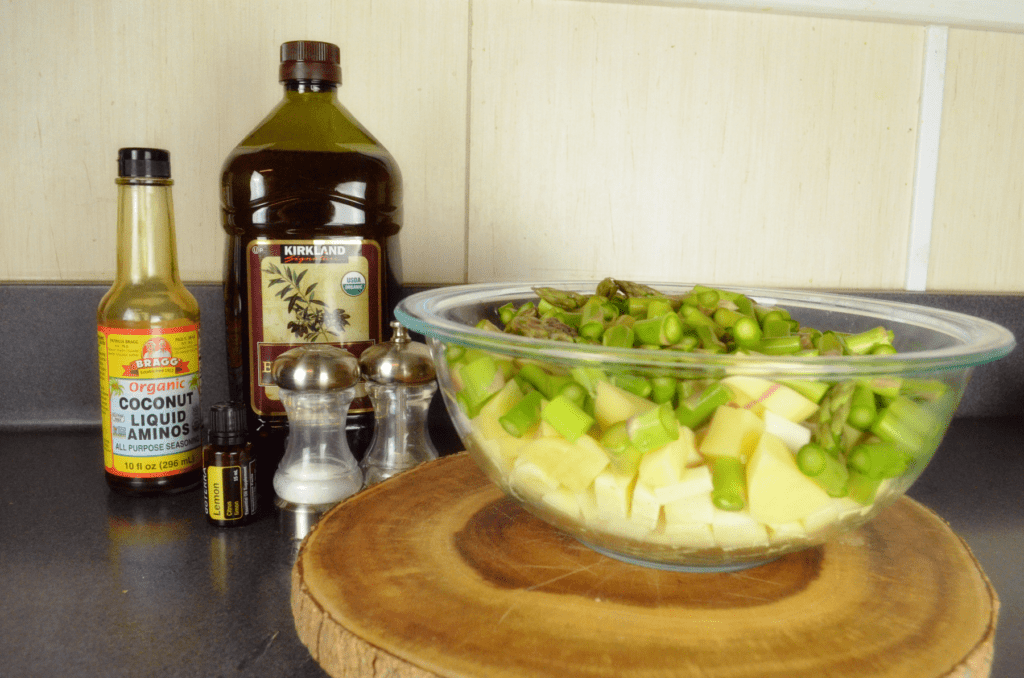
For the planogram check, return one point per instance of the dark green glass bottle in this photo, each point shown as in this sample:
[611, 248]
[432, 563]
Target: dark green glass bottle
[312, 205]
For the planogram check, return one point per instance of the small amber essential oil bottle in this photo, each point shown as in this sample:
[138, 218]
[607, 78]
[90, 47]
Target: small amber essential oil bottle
[229, 469]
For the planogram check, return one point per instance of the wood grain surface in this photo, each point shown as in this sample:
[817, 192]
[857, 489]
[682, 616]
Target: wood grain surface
[436, 573]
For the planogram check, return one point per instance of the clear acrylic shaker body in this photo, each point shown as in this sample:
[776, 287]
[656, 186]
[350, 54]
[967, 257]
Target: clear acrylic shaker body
[317, 467]
[400, 377]
[316, 385]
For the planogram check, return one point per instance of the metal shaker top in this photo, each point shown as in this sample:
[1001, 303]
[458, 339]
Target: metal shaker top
[315, 368]
[400, 361]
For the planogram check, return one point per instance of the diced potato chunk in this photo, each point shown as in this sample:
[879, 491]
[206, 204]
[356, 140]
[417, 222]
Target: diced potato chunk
[776, 489]
[664, 466]
[733, 432]
[645, 509]
[574, 465]
[564, 501]
[613, 493]
[613, 404]
[759, 394]
[693, 481]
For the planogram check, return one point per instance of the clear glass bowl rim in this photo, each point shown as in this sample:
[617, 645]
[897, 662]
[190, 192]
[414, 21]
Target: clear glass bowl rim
[976, 341]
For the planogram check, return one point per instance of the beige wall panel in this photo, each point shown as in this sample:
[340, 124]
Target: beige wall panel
[978, 228]
[81, 79]
[658, 142]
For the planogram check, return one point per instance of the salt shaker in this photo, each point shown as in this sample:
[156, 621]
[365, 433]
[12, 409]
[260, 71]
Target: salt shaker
[399, 376]
[317, 384]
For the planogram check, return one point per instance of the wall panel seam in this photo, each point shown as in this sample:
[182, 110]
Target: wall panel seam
[469, 144]
[926, 166]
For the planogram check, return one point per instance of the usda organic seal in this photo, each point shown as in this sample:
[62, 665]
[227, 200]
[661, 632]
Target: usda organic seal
[353, 283]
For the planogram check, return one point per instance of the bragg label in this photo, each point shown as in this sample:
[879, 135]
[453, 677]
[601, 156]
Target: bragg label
[149, 397]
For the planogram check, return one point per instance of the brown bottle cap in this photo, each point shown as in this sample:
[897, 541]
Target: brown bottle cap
[310, 60]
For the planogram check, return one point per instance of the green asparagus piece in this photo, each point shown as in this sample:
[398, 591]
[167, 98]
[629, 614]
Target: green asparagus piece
[453, 353]
[884, 387]
[663, 389]
[531, 325]
[919, 417]
[564, 299]
[549, 385]
[566, 417]
[831, 416]
[624, 457]
[694, 318]
[653, 429]
[481, 378]
[863, 409]
[826, 470]
[863, 488]
[879, 460]
[633, 383]
[695, 409]
[895, 427]
[487, 325]
[592, 331]
[746, 332]
[787, 345]
[812, 390]
[726, 317]
[829, 343]
[775, 327]
[575, 393]
[659, 330]
[729, 483]
[864, 342]
[507, 312]
[927, 390]
[524, 416]
[709, 341]
[637, 306]
[687, 342]
[659, 307]
[587, 377]
[618, 336]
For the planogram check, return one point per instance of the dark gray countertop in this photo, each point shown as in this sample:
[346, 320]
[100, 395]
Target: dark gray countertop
[95, 584]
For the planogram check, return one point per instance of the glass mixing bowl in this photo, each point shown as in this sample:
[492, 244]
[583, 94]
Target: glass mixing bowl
[727, 490]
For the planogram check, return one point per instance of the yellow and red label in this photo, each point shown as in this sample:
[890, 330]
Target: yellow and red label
[149, 400]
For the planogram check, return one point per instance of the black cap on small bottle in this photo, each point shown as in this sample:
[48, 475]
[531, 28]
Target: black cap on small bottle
[144, 163]
[310, 60]
[227, 423]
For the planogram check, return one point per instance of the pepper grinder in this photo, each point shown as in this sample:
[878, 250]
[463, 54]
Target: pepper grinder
[317, 384]
[400, 379]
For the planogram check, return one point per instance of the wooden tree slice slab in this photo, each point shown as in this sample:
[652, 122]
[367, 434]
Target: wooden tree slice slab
[436, 573]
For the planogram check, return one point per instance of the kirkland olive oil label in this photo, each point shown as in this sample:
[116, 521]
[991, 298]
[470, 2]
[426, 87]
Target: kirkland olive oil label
[149, 397]
[310, 291]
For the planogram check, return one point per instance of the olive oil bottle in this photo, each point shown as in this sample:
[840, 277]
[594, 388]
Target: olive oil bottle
[311, 205]
[148, 335]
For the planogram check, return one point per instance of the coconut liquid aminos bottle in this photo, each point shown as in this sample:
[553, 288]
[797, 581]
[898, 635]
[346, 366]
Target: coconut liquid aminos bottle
[311, 204]
[148, 335]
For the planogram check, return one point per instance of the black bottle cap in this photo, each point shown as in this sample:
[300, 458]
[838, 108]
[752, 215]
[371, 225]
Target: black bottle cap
[227, 423]
[310, 60]
[144, 162]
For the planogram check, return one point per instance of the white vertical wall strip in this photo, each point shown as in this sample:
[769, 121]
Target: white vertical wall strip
[929, 131]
